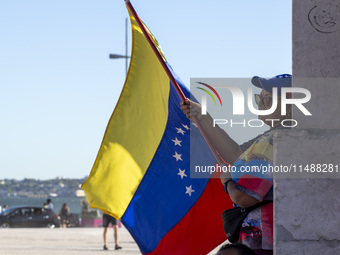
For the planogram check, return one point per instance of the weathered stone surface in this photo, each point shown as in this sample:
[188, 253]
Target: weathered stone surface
[323, 105]
[298, 149]
[307, 210]
[308, 247]
[316, 28]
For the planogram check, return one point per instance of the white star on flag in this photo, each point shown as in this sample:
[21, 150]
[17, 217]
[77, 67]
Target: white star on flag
[177, 142]
[189, 190]
[177, 156]
[182, 173]
[179, 130]
[185, 126]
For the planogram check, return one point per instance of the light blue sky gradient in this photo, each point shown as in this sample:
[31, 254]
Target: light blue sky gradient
[58, 87]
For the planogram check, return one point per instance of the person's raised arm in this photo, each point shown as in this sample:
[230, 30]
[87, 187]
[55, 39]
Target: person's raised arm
[227, 148]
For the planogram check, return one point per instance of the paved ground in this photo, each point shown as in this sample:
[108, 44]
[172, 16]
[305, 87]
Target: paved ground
[64, 241]
[84, 241]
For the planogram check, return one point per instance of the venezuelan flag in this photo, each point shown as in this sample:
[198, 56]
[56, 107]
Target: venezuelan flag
[142, 171]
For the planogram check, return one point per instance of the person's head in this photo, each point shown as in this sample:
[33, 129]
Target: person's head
[235, 249]
[48, 201]
[265, 99]
[5, 207]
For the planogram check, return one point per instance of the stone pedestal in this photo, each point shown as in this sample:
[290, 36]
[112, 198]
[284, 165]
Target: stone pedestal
[307, 206]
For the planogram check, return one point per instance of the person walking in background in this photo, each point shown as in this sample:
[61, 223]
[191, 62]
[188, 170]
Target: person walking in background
[107, 219]
[49, 204]
[64, 215]
[4, 208]
[84, 205]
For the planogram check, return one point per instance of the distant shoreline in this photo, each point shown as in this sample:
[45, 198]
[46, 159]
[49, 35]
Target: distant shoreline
[32, 188]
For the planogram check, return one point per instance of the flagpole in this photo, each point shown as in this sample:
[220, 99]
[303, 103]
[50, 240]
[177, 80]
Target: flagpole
[171, 77]
[154, 48]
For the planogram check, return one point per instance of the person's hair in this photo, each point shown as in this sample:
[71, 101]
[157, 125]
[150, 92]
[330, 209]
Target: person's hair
[241, 248]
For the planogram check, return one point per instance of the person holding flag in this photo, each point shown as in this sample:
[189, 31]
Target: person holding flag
[141, 175]
[249, 189]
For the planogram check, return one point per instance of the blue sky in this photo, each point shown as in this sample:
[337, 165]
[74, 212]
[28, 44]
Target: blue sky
[58, 87]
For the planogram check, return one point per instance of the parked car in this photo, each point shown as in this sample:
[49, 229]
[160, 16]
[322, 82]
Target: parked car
[28, 216]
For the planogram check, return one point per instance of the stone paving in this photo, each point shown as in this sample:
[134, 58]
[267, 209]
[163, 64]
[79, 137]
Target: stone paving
[66, 241]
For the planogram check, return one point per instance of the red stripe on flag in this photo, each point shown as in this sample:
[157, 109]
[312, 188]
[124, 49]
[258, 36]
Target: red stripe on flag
[201, 230]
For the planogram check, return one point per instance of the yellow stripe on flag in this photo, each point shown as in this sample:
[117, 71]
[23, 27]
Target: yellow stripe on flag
[134, 131]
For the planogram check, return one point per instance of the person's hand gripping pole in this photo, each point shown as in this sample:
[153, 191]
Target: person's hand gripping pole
[193, 112]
